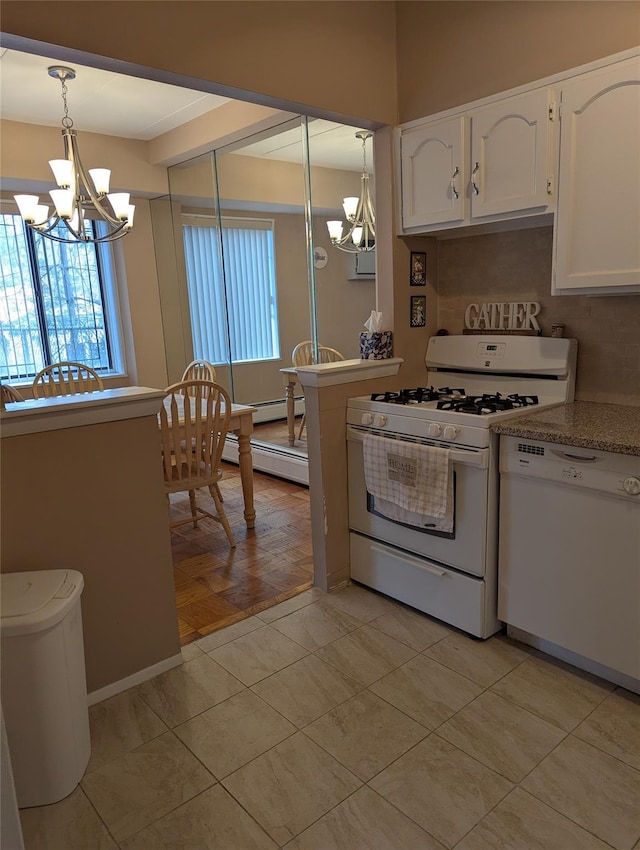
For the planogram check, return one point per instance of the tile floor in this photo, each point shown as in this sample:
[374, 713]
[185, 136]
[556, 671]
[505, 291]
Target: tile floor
[349, 722]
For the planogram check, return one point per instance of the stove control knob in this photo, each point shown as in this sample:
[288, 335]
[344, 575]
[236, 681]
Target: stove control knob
[450, 432]
[379, 420]
[366, 419]
[631, 485]
[434, 430]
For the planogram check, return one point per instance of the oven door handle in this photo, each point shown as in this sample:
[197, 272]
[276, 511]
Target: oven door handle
[470, 458]
[428, 568]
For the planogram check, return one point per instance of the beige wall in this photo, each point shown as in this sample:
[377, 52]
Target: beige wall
[456, 52]
[140, 305]
[91, 499]
[516, 266]
[299, 53]
[27, 148]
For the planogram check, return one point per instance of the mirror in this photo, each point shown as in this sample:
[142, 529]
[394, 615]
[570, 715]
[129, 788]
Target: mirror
[247, 269]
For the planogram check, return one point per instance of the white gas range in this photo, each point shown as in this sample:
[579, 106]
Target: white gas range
[471, 382]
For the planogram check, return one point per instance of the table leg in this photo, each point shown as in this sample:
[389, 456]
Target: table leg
[246, 475]
[291, 412]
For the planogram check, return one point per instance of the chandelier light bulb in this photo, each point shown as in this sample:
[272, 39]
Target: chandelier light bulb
[74, 223]
[101, 178]
[130, 213]
[28, 205]
[41, 215]
[120, 203]
[63, 172]
[63, 201]
[335, 230]
[356, 235]
[350, 207]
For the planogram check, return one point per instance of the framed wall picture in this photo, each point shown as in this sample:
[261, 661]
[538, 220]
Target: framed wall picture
[418, 311]
[418, 276]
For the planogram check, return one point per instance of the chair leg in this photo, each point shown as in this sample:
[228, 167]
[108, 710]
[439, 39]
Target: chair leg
[194, 510]
[219, 492]
[221, 515]
[301, 426]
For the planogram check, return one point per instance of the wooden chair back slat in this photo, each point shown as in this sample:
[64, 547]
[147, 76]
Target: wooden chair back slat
[9, 394]
[66, 378]
[199, 370]
[303, 355]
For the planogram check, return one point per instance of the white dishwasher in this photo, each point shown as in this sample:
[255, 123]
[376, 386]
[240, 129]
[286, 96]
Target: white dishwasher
[569, 556]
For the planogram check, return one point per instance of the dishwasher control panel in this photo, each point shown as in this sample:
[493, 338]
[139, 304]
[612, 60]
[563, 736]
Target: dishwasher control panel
[606, 472]
[571, 473]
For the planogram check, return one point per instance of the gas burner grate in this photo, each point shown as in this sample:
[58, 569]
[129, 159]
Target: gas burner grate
[418, 395]
[481, 405]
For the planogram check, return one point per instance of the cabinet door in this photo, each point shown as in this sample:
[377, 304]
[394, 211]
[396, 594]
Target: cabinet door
[597, 229]
[433, 173]
[511, 155]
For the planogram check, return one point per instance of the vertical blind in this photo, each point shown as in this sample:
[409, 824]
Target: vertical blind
[233, 312]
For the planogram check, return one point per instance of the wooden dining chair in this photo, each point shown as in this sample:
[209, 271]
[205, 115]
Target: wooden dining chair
[199, 370]
[66, 378]
[303, 355]
[9, 394]
[194, 421]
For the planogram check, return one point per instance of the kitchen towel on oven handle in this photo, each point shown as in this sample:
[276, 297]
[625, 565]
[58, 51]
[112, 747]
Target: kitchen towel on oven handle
[414, 477]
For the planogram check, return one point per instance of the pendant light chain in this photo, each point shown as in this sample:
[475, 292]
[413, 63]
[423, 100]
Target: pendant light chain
[66, 122]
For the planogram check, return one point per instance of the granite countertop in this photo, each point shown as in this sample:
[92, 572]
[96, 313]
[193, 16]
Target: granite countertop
[608, 427]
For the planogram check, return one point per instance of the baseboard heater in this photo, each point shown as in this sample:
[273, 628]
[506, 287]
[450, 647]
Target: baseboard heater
[270, 411]
[288, 463]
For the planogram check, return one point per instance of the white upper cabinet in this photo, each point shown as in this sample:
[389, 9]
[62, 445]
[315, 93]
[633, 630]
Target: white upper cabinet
[597, 226]
[480, 165]
[433, 164]
[511, 155]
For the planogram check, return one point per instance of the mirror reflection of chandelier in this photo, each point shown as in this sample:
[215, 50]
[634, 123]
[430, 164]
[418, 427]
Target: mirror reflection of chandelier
[359, 212]
[80, 195]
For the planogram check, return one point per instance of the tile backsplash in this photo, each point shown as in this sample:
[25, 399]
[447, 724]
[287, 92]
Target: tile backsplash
[516, 266]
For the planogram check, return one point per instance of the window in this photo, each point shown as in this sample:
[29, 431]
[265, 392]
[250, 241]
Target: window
[233, 316]
[57, 302]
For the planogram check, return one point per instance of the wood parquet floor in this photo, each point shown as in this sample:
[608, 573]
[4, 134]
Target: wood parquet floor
[216, 585]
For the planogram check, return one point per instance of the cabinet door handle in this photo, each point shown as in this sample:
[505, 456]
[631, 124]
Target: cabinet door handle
[454, 190]
[475, 180]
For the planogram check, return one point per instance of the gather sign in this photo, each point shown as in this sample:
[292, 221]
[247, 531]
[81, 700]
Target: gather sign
[502, 315]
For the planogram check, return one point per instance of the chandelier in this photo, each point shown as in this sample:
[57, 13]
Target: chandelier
[78, 193]
[361, 218]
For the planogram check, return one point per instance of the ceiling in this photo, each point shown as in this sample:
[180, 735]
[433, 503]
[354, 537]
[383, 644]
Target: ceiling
[135, 108]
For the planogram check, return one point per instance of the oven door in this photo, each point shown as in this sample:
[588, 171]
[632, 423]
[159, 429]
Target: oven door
[473, 539]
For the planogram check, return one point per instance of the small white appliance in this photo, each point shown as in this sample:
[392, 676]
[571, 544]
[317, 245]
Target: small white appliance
[471, 382]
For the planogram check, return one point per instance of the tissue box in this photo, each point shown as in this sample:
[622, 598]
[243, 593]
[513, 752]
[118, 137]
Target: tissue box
[376, 346]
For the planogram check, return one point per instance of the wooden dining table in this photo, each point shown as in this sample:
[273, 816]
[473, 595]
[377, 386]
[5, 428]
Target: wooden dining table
[240, 424]
[290, 374]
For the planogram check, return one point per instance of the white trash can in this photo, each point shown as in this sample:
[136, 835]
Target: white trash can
[44, 690]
